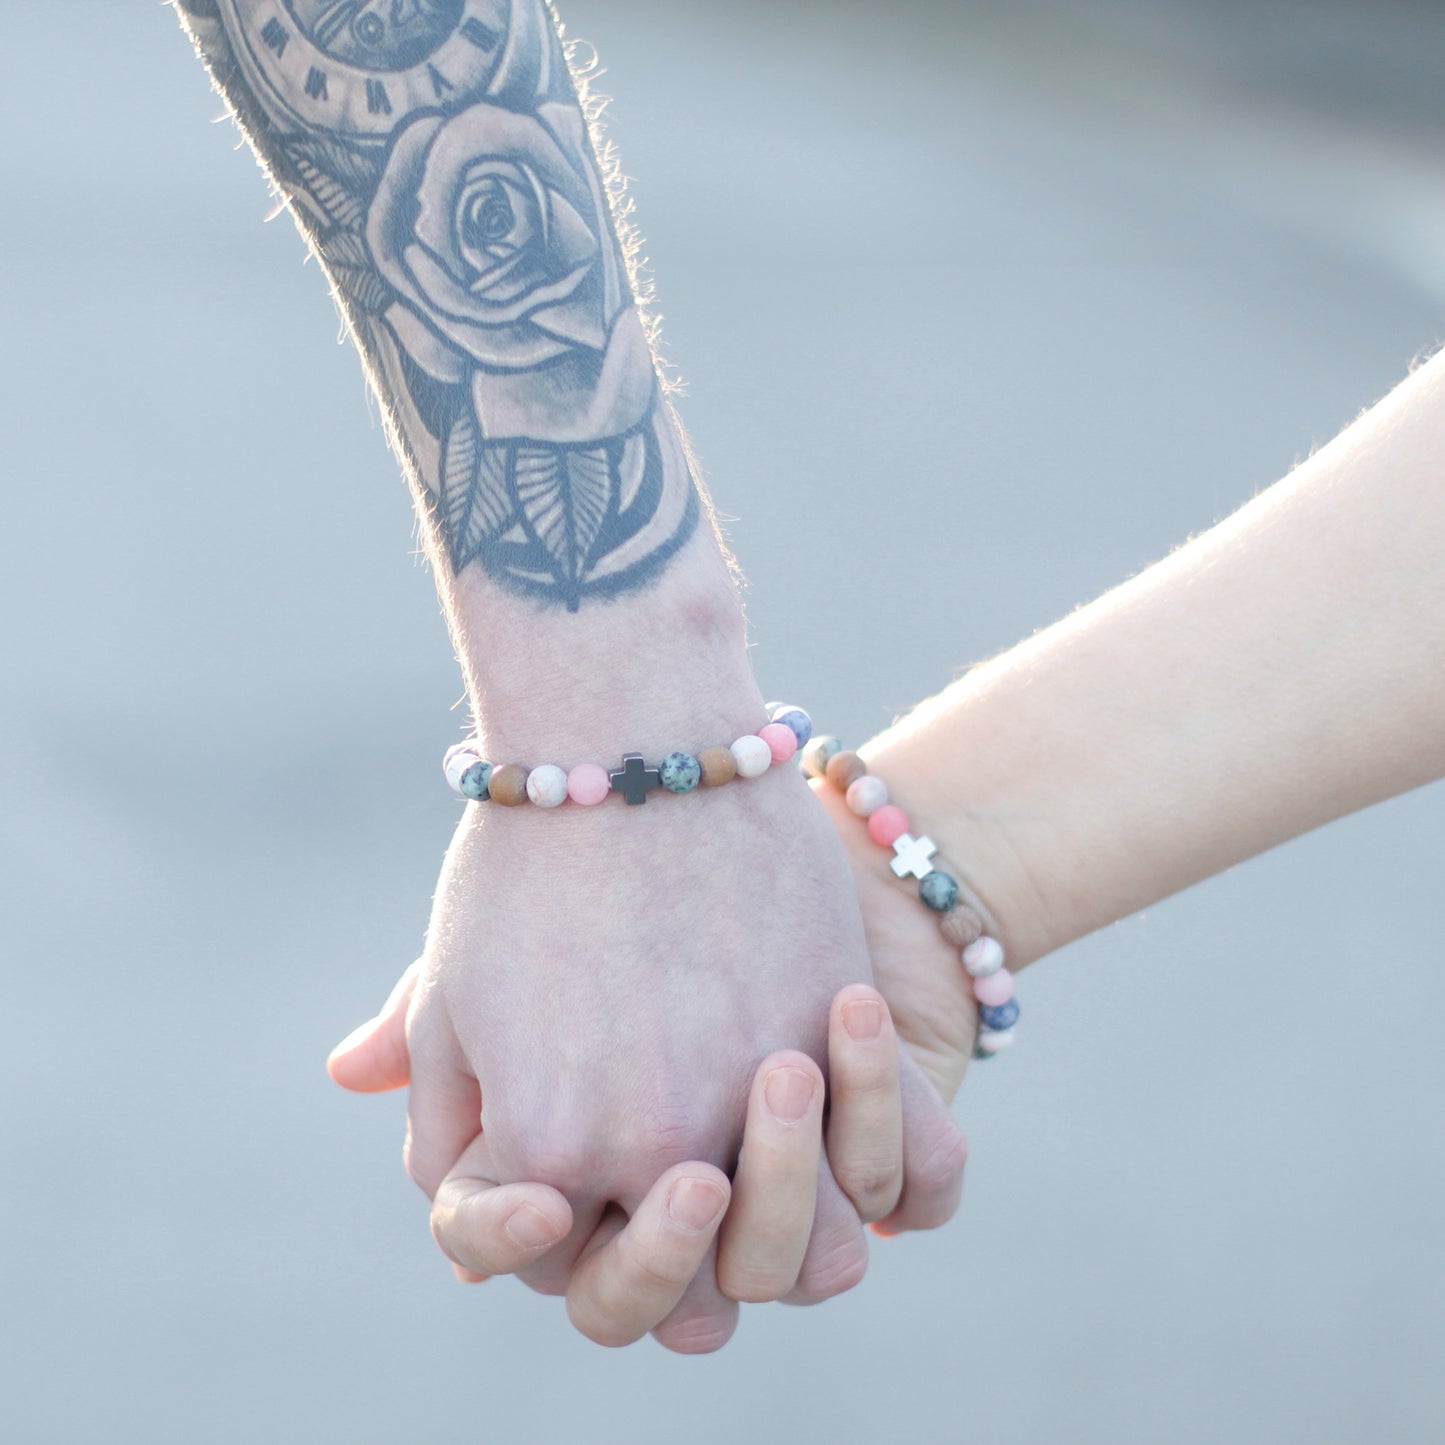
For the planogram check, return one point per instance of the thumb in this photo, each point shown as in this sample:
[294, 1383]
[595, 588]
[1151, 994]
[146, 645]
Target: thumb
[374, 1057]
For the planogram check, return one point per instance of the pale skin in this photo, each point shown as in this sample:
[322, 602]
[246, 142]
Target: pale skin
[631, 1275]
[599, 987]
[1281, 670]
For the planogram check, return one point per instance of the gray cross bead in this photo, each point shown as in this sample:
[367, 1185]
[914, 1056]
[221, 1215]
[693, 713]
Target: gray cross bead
[914, 856]
[634, 778]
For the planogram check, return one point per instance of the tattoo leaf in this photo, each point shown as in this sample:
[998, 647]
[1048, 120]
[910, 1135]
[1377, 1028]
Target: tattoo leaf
[341, 206]
[565, 497]
[474, 501]
[348, 261]
[345, 248]
[354, 170]
[338, 179]
[364, 287]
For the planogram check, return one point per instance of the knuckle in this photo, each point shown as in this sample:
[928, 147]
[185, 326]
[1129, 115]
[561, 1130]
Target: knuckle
[700, 1335]
[665, 1135]
[833, 1270]
[559, 1159]
[645, 1272]
[868, 1083]
[598, 1326]
[547, 1277]
[870, 1184]
[942, 1165]
[753, 1286]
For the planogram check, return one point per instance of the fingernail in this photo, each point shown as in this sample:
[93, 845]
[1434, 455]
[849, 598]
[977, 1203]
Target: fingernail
[694, 1204]
[528, 1226]
[789, 1093]
[470, 1276]
[863, 1019]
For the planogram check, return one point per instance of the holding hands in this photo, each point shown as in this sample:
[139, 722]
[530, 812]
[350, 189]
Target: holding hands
[625, 1086]
[617, 1034]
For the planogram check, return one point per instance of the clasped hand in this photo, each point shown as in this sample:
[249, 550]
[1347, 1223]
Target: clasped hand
[613, 1042]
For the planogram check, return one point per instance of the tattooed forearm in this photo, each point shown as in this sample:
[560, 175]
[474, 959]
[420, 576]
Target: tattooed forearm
[435, 154]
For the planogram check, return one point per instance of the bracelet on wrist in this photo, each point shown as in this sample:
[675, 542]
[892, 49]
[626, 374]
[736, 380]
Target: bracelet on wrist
[547, 785]
[961, 925]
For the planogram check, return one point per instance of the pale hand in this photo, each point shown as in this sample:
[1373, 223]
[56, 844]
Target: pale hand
[599, 986]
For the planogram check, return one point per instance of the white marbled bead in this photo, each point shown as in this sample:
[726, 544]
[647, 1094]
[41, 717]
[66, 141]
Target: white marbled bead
[752, 755]
[817, 753]
[995, 1041]
[459, 757]
[467, 745]
[547, 785]
[866, 795]
[983, 956]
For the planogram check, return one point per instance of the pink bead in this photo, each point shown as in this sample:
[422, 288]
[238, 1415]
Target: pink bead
[588, 784]
[887, 824]
[994, 990]
[782, 741]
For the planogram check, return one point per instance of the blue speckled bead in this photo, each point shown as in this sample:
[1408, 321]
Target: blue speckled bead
[797, 719]
[939, 891]
[1005, 1016]
[475, 782]
[680, 772]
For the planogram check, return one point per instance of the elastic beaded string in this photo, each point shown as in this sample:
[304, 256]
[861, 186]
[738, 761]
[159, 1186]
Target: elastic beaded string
[888, 826]
[471, 776]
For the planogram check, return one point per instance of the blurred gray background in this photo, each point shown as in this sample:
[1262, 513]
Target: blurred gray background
[983, 308]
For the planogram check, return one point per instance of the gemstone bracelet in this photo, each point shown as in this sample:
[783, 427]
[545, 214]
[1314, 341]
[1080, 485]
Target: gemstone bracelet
[587, 784]
[888, 826]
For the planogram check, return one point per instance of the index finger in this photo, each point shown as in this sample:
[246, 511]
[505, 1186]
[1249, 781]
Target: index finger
[865, 1121]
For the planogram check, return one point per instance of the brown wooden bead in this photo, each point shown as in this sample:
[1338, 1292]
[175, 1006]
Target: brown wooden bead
[961, 926]
[509, 785]
[718, 766]
[844, 769]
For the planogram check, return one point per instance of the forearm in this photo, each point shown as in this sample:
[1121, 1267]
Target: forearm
[436, 157]
[1283, 669]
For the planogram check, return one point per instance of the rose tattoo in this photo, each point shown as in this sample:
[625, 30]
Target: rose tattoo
[438, 155]
[494, 239]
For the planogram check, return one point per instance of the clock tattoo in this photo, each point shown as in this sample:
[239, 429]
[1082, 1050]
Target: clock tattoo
[383, 34]
[437, 156]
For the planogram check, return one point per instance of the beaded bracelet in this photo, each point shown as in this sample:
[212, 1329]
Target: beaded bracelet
[470, 776]
[888, 826]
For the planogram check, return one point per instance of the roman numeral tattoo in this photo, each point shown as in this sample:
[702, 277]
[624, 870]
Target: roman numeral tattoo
[482, 36]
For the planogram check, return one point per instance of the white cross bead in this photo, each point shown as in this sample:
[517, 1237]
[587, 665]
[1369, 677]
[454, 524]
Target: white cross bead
[914, 855]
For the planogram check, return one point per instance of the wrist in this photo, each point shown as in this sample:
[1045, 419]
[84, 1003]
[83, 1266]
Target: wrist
[663, 670]
[999, 859]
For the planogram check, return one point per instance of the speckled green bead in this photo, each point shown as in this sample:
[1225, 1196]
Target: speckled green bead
[938, 891]
[475, 782]
[680, 772]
